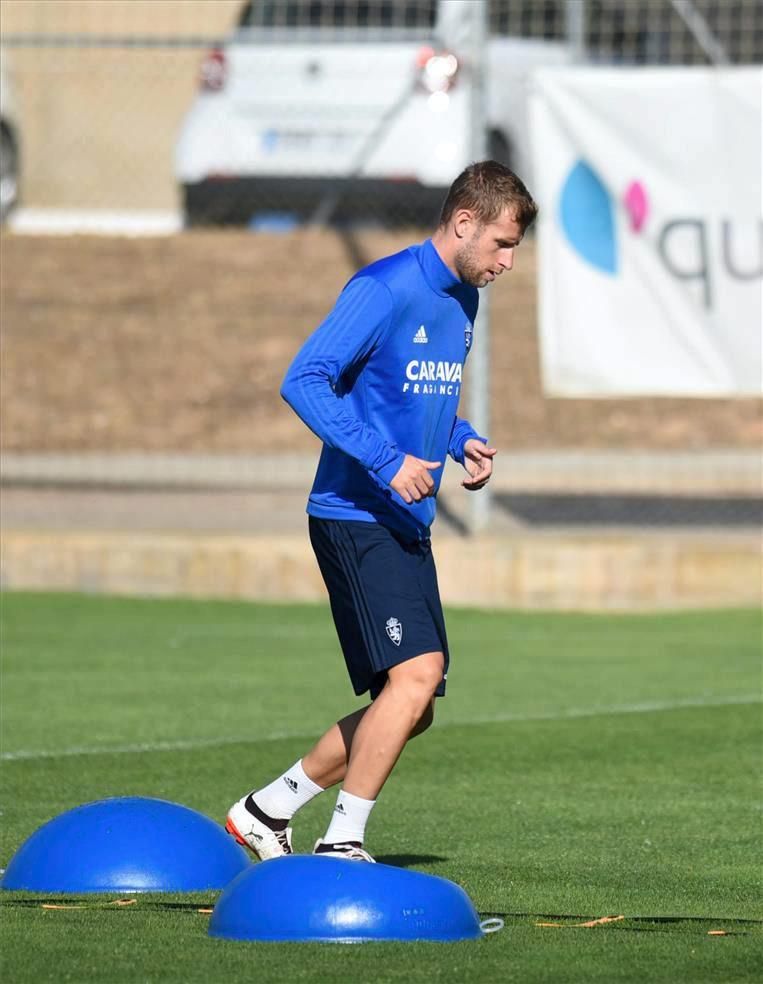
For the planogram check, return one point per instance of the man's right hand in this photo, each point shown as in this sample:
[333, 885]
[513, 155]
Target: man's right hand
[412, 481]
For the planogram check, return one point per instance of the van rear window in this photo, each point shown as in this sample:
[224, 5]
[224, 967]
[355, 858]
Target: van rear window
[339, 13]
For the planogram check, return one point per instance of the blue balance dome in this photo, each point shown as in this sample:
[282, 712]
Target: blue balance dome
[308, 898]
[128, 844]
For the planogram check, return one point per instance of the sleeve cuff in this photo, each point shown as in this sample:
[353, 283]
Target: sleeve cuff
[457, 452]
[388, 471]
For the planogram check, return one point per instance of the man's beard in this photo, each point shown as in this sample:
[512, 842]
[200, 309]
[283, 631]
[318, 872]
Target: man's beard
[467, 266]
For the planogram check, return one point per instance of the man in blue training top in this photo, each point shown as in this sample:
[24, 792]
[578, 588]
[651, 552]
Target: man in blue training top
[379, 383]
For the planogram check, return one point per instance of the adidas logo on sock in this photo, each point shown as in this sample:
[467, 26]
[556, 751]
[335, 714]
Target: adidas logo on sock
[420, 338]
[291, 783]
[339, 808]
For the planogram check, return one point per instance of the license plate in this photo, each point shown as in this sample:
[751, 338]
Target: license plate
[290, 141]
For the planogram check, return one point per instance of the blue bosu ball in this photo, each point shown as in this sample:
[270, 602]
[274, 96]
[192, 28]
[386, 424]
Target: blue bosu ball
[127, 844]
[313, 899]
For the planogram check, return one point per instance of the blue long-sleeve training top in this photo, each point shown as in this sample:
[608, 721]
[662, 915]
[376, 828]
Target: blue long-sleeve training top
[381, 378]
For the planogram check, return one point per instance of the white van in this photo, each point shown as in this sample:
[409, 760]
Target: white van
[332, 110]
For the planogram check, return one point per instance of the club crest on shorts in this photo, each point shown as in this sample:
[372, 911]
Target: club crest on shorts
[468, 335]
[394, 630]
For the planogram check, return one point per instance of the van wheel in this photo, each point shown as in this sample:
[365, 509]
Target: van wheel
[9, 172]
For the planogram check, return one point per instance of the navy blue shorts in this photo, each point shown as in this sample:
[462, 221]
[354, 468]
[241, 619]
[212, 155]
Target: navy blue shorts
[384, 598]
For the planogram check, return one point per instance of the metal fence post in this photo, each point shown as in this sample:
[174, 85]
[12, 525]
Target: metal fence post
[575, 13]
[479, 402]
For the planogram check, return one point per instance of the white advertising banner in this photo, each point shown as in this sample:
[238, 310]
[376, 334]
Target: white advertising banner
[650, 230]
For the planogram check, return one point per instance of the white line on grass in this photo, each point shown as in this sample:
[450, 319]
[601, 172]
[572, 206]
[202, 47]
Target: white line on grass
[189, 744]
[641, 707]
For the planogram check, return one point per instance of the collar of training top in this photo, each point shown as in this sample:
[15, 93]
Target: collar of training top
[439, 277]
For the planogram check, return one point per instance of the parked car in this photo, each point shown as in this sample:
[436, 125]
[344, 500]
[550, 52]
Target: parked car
[9, 144]
[329, 110]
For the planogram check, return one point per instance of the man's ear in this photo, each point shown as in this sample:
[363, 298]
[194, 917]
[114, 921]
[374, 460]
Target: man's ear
[463, 222]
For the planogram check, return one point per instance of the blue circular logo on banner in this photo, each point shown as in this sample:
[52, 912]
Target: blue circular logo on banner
[587, 216]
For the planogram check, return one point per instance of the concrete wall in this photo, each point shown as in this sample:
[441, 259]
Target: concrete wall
[644, 571]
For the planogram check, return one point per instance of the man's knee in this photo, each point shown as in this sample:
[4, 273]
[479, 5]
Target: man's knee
[419, 678]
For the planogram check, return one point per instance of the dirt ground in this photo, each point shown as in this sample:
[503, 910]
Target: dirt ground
[180, 344]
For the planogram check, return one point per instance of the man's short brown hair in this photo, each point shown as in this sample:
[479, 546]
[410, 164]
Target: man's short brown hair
[487, 188]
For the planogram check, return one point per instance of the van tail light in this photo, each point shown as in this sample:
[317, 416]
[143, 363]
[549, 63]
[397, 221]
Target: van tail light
[214, 71]
[437, 69]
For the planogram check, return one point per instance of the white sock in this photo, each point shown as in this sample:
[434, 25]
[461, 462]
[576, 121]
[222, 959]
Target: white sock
[287, 794]
[348, 821]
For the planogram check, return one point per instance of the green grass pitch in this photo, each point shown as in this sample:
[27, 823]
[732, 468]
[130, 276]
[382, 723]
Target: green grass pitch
[581, 766]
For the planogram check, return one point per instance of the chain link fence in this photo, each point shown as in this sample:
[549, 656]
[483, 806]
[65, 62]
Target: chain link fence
[282, 111]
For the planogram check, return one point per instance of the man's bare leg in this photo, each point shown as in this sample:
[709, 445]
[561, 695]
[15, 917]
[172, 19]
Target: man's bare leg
[326, 762]
[382, 732]
[380, 736]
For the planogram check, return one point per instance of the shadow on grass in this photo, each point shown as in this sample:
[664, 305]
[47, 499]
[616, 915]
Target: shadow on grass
[409, 860]
[631, 924]
[101, 900]
[713, 925]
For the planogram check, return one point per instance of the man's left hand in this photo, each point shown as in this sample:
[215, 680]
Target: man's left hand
[478, 461]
